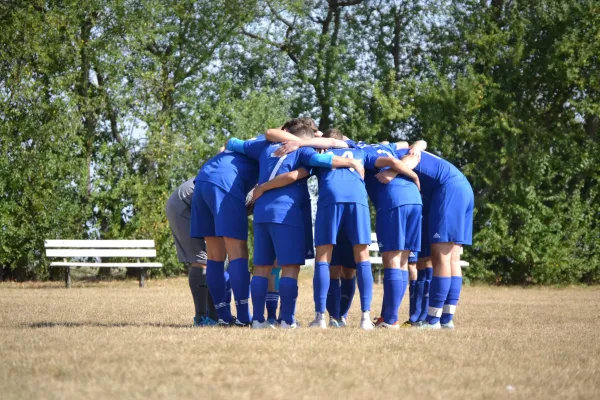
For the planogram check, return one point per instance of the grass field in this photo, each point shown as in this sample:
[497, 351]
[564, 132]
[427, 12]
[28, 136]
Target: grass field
[114, 340]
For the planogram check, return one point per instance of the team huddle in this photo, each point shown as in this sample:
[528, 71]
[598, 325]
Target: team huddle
[424, 214]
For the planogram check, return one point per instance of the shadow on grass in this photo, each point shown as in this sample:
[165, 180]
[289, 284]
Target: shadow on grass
[48, 324]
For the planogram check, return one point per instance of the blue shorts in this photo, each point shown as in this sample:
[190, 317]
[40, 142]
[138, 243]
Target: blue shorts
[278, 241]
[399, 228]
[450, 216]
[351, 218]
[217, 213]
[413, 257]
[308, 232]
[343, 253]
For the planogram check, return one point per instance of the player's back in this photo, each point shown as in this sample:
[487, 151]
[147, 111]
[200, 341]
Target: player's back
[433, 171]
[400, 191]
[341, 185]
[233, 172]
[281, 205]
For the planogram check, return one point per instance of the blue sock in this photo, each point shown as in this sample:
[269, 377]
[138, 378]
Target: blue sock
[259, 287]
[240, 282]
[418, 296]
[228, 289]
[347, 289]
[392, 289]
[404, 274]
[272, 302]
[288, 292]
[427, 285]
[452, 299]
[411, 293]
[364, 275]
[320, 286]
[333, 298]
[437, 296]
[217, 286]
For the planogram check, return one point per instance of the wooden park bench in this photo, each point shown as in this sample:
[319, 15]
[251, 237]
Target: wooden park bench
[83, 249]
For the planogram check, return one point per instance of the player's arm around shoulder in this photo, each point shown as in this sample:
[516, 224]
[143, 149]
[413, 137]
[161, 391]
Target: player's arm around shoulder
[280, 181]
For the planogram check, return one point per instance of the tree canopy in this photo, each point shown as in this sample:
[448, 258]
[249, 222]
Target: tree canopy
[107, 106]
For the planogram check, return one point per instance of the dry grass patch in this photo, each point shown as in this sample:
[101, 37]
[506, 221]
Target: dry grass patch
[114, 340]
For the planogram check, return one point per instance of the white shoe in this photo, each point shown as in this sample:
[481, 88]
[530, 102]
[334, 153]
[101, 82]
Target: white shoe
[365, 321]
[342, 322]
[262, 325]
[285, 325]
[425, 325]
[319, 321]
[449, 325]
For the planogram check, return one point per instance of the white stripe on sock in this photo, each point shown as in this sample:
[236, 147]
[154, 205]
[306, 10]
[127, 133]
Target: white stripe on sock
[449, 309]
[220, 305]
[434, 312]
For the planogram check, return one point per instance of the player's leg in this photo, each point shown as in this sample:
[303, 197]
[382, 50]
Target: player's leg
[288, 242]
[328, 221]
[424, 277]
[334, 293]
[231, 223]
[191, 251]
[264, 257]
[412, 279]
[347, 290]
[402, 235]
[202, 224]
[456, 271]
[273, 294]
[357, 225]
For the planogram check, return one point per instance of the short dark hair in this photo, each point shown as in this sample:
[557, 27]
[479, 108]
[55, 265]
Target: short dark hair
[334, 134]
[302, 131]
[310, 123]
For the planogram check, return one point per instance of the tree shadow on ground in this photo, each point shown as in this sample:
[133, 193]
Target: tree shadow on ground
[49, 324]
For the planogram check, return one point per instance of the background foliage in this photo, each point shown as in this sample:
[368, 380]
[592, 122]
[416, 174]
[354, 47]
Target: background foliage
[107, 106]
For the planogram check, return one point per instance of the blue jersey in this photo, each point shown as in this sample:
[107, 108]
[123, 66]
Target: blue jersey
[342, 185]
[282, 205]
[432, 170]
[233, 172]
[399, 192]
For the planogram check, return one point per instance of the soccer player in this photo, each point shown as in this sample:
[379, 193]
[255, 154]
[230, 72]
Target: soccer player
[278, 220]
[448, 200]
[398, 225]
[219, 215]
[191, 251]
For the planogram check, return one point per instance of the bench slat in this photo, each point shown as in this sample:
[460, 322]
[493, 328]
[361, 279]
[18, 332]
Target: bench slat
[100, 253]
[106, 244]
[99, 265]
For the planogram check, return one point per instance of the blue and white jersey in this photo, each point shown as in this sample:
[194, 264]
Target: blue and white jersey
[233, 172]
[342, 185]
[282, 205]
[399, 192]
[432, 170]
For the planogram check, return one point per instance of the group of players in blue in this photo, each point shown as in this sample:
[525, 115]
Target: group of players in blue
[424, 206]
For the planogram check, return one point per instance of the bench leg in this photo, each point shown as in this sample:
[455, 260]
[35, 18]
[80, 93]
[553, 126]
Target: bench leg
[142, 277]
[68, 277]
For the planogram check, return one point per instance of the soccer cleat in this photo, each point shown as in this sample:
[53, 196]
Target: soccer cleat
[382, 324]
[204, 321]
[319, 321]
[273, 322]
[425, 325]
[449, 325]
[285, 325]
[224, 324]
[406, 324]
[342, 322]
[334, 323]
[262, 325]
[365, 321]
[239, 324]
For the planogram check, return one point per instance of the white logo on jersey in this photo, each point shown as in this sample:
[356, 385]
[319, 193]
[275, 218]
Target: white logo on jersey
[436, 236]
[411, 254]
